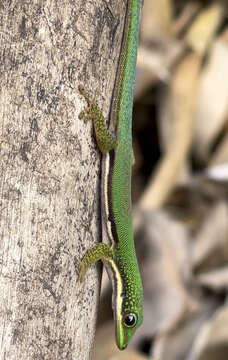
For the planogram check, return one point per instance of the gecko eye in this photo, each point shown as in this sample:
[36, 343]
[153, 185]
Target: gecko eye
[130, 319]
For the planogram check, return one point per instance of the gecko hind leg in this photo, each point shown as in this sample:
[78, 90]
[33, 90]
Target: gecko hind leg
[105, 140]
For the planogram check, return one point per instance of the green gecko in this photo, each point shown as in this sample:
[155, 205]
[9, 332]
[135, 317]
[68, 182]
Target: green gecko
[119, 258]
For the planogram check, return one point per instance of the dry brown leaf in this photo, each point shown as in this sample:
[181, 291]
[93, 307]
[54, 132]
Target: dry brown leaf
[210, 247]
[212, 342]
[201, 33]
[156, 20]
[221, 154]
[189, 11]
[212, 104]
[178, 115]
[217, 280]
[152, 62]
[177, 343]
[165, 269]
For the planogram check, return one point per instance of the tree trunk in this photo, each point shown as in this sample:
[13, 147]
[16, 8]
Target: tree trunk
[49, 170]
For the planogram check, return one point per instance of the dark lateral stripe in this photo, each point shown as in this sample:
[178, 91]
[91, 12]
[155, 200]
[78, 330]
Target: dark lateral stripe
[110, 208]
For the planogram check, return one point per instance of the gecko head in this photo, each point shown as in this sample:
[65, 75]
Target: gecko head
[126, 325]
[127, 305]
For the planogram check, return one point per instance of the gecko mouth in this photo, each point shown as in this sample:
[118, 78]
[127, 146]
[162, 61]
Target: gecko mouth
[121, 336]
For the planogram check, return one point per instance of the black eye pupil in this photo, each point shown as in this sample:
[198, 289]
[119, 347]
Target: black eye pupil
[130, 320]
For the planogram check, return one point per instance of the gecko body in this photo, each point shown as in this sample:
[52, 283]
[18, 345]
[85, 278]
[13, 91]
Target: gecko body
[119, 258]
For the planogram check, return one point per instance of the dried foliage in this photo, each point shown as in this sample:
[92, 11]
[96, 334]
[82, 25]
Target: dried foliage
[180, 183]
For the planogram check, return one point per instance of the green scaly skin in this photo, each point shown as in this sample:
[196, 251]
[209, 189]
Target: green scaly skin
[120, 257]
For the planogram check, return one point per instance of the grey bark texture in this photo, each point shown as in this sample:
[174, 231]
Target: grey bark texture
[49, 171]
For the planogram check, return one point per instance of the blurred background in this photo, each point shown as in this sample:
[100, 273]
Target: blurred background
[180, 186]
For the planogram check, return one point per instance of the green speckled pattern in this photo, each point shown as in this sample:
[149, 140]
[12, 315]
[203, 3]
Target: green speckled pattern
[105, 140]
[121, 189]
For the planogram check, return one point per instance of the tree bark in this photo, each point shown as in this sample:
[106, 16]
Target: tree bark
[49, 171]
